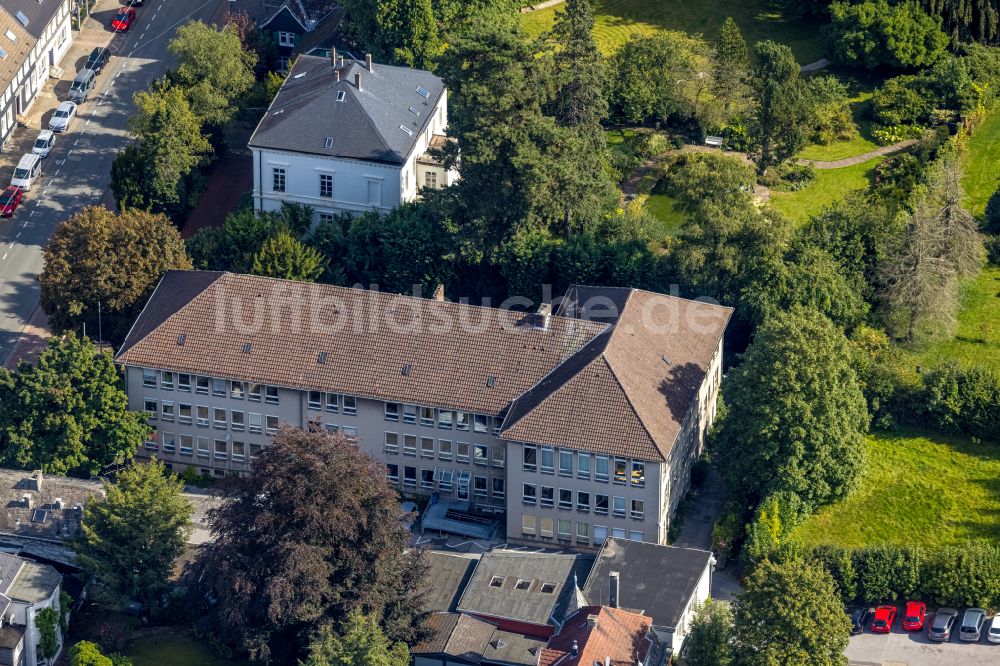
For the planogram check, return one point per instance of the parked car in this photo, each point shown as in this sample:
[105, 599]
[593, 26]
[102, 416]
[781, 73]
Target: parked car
[63, 116]
[914, 615]
[98, 59]
[28, 169]
[993, 635]
[859, 616]
[884, 617]
[972, 624]
[83, 85]
[43, 143]
[942, 624]
[10, 199]
[124, 19]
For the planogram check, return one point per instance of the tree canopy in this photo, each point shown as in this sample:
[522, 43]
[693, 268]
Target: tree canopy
[359, 642]
[69, 413]
[790, 613]
[117, 260]
[284, 256]
[783, 115]
[131, 538]
[311, 534]
[796, 416]
[877, 32]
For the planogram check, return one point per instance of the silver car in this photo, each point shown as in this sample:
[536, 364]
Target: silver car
[64, 114]
[941, 626]
[43, 144]
[972, 624]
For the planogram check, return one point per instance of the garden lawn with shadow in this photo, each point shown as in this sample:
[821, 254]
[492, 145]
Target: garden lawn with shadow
[174, 649]
[919, 489]
[828, 186]
[617, 21]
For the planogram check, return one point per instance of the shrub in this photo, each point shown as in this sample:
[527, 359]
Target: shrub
[991, 220]
[727, 534]
[993, 249]
[966, 575]
[903, 100]
[655, 144]
[886, 135]
[774, 519]
[886, 572]
[963, 400]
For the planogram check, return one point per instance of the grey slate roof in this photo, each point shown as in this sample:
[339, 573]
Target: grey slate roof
[657, 581]
[10, 566]
[510, 648]
[531, 605]
[38, 12]
[446, 578]
[457, 635]
[35, 583]
[305, 114]
[11, 636]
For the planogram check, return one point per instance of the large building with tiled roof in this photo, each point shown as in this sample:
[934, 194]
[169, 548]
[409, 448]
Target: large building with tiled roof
[570, 429]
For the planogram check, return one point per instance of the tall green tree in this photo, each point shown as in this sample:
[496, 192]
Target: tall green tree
[790, 614]
[784, 114]
[359, 642]
[132, 537]
[877, 32]
[580, 69]
[796, 416]
[170, 146]
[731, 68]
[213, 68]
[709, 641]
[115, 260]
[326, 539]
[284, 256]
[69, 413]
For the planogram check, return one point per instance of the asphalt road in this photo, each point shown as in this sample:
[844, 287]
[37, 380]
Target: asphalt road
[77, 173]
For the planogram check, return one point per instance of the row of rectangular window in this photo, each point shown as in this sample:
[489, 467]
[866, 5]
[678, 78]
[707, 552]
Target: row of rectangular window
[167, 380]
[445, 419]
[332, 402]
[548, 527]
[188, 445]
[221, 419]
[445, 449]
[543, 458]
[548, 498]
[445, 480]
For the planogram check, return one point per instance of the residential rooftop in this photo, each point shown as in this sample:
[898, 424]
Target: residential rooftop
[446, 578]
[599, 635]
[321, 109]
[43, 506]
[663, 598]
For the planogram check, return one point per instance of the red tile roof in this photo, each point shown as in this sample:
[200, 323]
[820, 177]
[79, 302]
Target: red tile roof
[614, 634]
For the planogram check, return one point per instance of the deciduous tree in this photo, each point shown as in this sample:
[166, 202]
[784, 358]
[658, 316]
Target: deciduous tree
[359, 642]
[877, 32]
[68, 413]
[313, 533]
[117, 260]
[790, 614]
[796, 415]
[709, 641]
[284, 256]
[131, 538]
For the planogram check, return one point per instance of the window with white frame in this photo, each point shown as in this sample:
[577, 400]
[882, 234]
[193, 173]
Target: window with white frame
[253, 393]
[497, 422]
[409, 413]
[638, 474]
[236, 421]
[236, 390]
[601, 468]
[636, 536]
[271, 424]
[499, 489]
[463, 452]
[184, 382]
[271, 395]
[601, 504]
[548, 496]
[431, 179]
[461, 421]
[583, 501]
[221, 449]
[278, 179]
[149, 378]
[186, 444]
[529, 460]
[326, 185]
[167, 410]
[184, 413]
[618, 533]
[332, 402]
[167, 380]
[528, 523]
[564, 529]
[427, 479]
[350, 404]
[600, 535]
[583, 465]
[219, 387]
[219, 418]
[392, 411]
[392, 472]
[255, 421]
[444, 449]
[479, 488]
[444, 478]
[547, 455]
[410, 445]
[239, 451]
[202, 418]
[169, 442]
[499, 456]
[202, 447]
[565, 462]
[201, 385]
[351, 433]
[565, 498]
[621, 475]
[480, 454]
[286, 38]
[444, 419]
[638, 508]
[583, 533]
[529, 493]
[481, 423]
[545, 526]
[391, 442]
[618, 505]
[410, 477]
[427, 416]
[150, 407]
[315, 400]
[426, 447]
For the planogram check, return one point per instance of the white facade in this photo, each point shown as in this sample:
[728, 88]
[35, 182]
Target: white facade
[332, 185]
[47, 52]
[702, 591]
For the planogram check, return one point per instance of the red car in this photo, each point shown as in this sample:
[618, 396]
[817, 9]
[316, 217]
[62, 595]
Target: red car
[884, 617]
[124, 19]
[914, 616]
[10, 199]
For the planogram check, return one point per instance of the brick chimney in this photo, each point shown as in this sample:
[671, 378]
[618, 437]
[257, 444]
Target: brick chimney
[336, 75]
[368, 62]
[333, 57]
[439, 293]
[357, 80]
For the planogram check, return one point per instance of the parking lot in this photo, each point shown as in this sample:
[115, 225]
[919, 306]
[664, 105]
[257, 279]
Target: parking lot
[903, 648]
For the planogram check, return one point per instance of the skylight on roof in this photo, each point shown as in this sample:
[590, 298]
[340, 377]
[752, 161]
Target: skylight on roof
[414, 111]
[328, 142]
[424, 92]
[406, 129]
[22, 18]
[10, 35]
[3, 54]
[299, 76]
[341, 95]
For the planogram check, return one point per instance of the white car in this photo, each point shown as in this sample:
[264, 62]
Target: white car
[993, 635]
[43, 144]
[60, 120]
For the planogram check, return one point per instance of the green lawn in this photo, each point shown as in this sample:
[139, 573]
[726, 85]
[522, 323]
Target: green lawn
[175, 650]
[982, 164]
[859, 145]
[661, 206]
[918, 490]
[619, 20]
[828, 186]
[978, 338]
